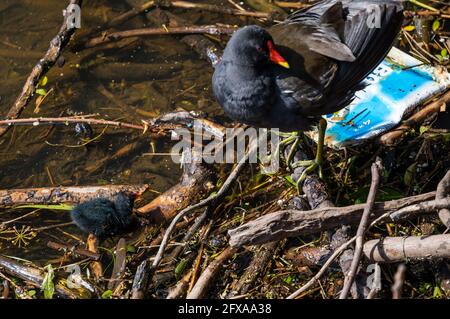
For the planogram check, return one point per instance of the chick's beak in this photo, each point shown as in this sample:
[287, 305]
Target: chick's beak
[275, 57]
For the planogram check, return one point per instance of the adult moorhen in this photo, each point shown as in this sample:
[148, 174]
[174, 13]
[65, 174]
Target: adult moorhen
[103, 217]
[291, 74]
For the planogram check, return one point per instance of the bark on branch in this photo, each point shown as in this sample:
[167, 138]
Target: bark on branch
[396, 249]
[291, 223]
[58, 195]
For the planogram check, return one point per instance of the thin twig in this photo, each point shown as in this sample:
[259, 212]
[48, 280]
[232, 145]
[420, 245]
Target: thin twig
[349, 278]
[66, 121]
[116, 36]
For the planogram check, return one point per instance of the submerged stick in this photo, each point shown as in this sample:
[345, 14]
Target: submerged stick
[66, 121]
[116, 36]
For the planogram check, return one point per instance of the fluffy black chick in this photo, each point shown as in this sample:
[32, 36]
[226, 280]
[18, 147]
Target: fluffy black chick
[104, 217]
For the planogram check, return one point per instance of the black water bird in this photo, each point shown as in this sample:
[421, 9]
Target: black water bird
[104, 217]
[289, 75]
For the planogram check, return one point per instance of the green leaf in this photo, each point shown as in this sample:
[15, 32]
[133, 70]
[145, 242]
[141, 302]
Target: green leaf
[290, 181]
[437, 292]
[423, 129]
[444, 52]
[107, 294]
[31, 293]
[48, 287]
[41, 92]
[179, 269]
[288, 279]
[131, 249]
[436, 25]
[49, 207]
[43, 81]
[408, 178]
[409, 28]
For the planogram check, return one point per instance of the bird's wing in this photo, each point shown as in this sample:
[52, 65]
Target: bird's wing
[321, 31]
[333, 46]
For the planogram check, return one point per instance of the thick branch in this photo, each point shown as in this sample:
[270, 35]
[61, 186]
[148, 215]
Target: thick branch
[396, 249]
[58, 195]
[291, 223]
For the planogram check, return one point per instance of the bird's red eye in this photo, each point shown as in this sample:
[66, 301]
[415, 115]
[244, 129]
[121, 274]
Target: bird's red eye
[260, 49]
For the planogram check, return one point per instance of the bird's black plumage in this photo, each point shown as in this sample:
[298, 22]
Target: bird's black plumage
[330, 47]
[104, 217]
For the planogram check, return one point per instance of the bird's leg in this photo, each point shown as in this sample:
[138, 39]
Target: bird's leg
[289, 138]
[296, 140]
[317, 162]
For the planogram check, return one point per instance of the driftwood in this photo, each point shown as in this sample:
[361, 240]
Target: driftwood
[62, 194]
[396, 249]
[290, 223]
[35, 276]
[51, 56]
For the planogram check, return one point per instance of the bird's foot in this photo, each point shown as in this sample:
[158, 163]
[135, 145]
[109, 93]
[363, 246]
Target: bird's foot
[310, 166]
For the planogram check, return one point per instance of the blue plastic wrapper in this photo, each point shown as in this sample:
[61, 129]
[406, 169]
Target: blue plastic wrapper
[397, 87]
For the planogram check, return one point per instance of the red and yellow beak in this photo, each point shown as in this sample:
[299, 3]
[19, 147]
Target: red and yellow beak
[275, 57]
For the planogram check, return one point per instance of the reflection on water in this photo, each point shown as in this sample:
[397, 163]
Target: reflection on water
[137, 79]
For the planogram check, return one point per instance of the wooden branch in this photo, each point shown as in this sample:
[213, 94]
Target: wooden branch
[200, 288]
[442, 191]
[42, 67]
[66, 121]
[350, 276]
[74, 250]
[61, 194]
[214, 8]
[292, 223]
[420, 208]
[116, 36]
[392, 137]
[396, 249]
